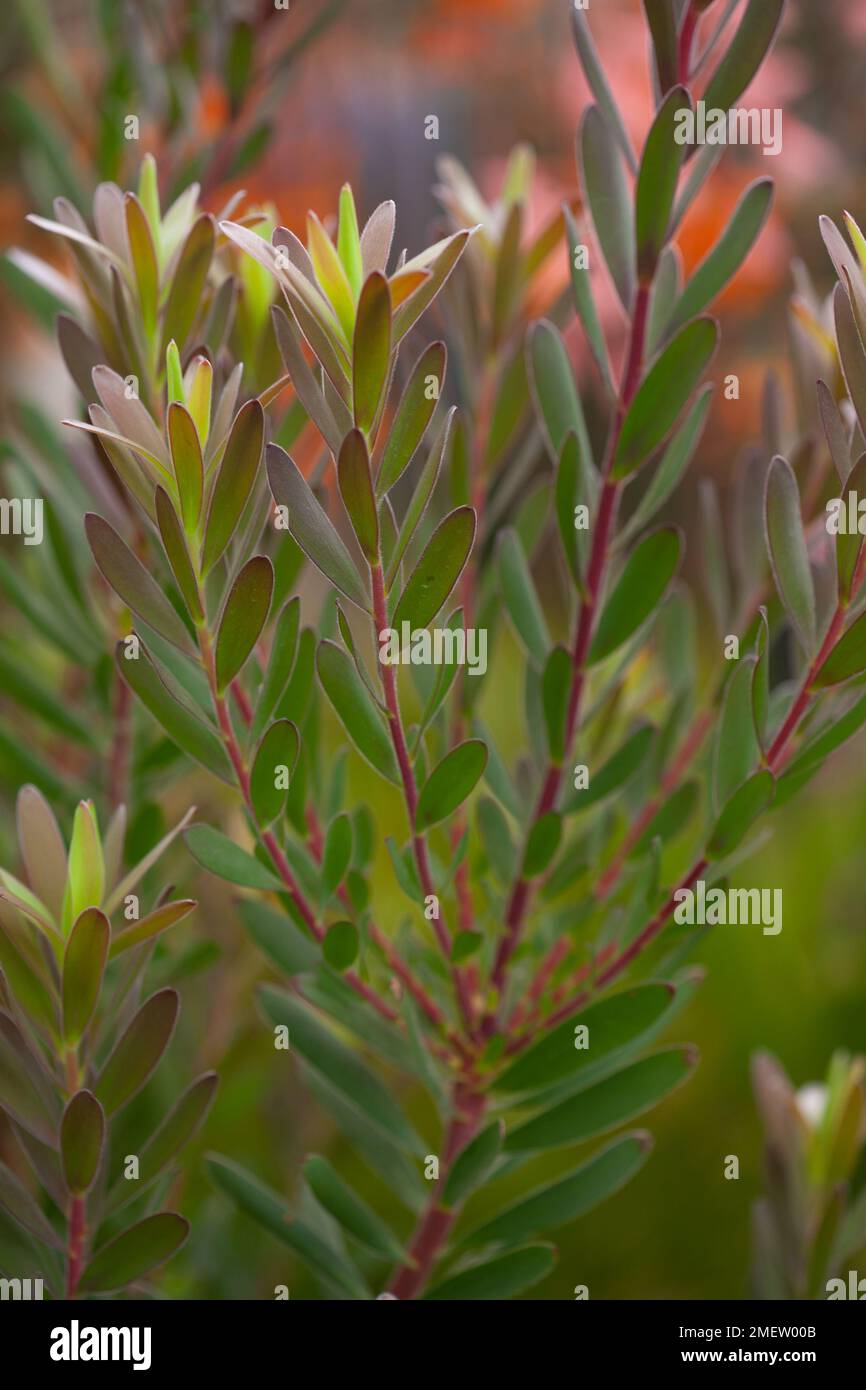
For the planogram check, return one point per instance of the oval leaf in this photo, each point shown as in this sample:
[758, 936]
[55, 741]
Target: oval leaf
[450, 782]
[82, 1134]
[243, 618]
[138, 1050]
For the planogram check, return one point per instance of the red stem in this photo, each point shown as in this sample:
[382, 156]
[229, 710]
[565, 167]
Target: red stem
[686, 43]
[520, 895]
[410, 791]
[75, 1254]
[437, 1221]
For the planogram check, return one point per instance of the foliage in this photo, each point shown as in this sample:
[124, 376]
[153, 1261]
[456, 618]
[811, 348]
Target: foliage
[519, 1006]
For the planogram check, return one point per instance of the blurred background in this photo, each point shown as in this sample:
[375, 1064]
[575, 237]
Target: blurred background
[288, 105]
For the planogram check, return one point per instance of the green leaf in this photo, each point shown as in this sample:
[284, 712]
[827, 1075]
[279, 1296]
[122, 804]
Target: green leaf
[349, 241]
[450, 782]
[598, 84]
[721, 264]
[177, 553]
[672, 466]
[789, 556]
[311, 528]
[521, 599]
[439, 261]
[554, 389]
[616, 772]
[180, 1126]
[135, 1252]
[221, 856]
[18, 1204]
[657, 181]
[603, 182]
[354, 707]
[500, 1278]
[745, 54]
[273, 766]
[304, 379]
[662, 19]
[85, 883]
[421, 495]
[42, 849]
[541, 844]
[664, 394]
[555, 692]
[356, 490]
[150, 926]
[337, 854]
[188, 282]
[464, 945]
[243, 618]
[496, 838]
[740, 813]
[346, 1207]
[638, 591]
[851, 351]
[269, 1210]
[848, 657]
[28, 989]
[584, 302]
[737, 749]
[138, 1051]
[186, 728]
[413, 415]
[371, 353]
[437, 571]
[322, 1051]
[473, 1165]
[610, 1102]
[850, 545]
[144, 262]
[280, 663]
[82, 1135]
[237, 474]
[186, 457]
[340, 946]
[132, 582]
[612, 1025]
[282, 942]
[668, 821]
[553, 1206]
[83, 965]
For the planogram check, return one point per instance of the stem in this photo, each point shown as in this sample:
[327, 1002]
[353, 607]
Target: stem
[521, 892]
[686, 43]
[410, 790]
[437, 1220]
[75, 1250]
[267, 837]
[118, 765]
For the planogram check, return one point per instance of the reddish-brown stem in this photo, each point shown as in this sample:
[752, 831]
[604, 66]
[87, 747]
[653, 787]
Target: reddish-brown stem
[410, 791]
[118, 765]
[520, 896]
[686, 43]
[395, 962]
[774, 759]
[75, 1248]
[245, 709]
[437, 1220]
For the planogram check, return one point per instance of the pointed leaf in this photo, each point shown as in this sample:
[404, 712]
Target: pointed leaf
[663, 395]
[413, 415]
[237, 474]
[150, 926]
[657, 181]
[789, 556]
[243, 618]
[311, 528]
[221, 856]
[437, 571]
[603, 182]
[132, 582]
[188, 466]
[138, 1051]
[450, 782]
[739, 815]
[638, 591]
[185, 728]
[83, 965]
[356, 490]
[135, 1252]
[721, 264]
[499, 1278]
[371, 353]
[356, 710]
